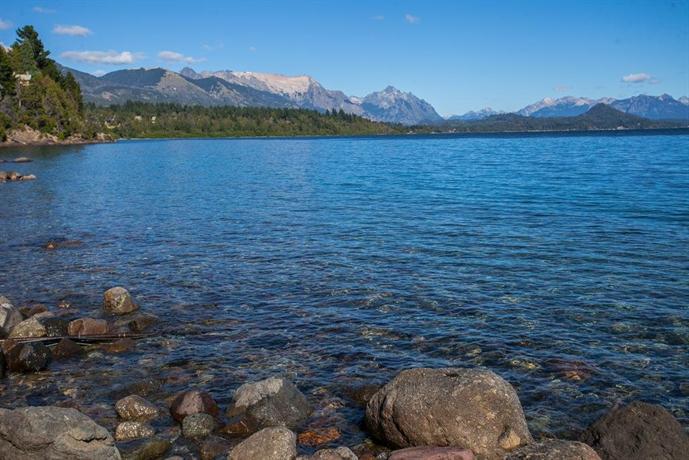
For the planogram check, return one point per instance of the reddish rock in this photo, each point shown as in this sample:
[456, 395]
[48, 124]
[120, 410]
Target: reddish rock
[556, 449]
[432, 453]
[87, 326]
[193, 402]
[318, 436]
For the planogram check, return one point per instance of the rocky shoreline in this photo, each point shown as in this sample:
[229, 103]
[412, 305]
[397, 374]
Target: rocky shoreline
[421, 414]
[30, 137]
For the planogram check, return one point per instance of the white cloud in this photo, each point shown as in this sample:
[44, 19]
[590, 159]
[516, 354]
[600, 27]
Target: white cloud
[173, 56]
[209, 47]
[75, 31]
[102, 57]
[252, 49]
[637, 78]
[380, 17]
[4, 25]
[7, 48]
[41, 10]
[411, 19]
[562, 88]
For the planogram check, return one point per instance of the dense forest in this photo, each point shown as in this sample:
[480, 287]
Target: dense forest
[34, 93]
[137, 120]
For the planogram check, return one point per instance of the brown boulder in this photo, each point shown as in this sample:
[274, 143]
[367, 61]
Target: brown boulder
[193, 402]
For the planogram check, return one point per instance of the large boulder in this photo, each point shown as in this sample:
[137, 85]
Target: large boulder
[66, 348]
[29, 328]
[118, 301]
[28, 357]
[9, 316]
[193, 402]
[129, 429]
[270, 402]
[470, 408]
[53, 433]
[198, 426]
[638, 431]
[554, 449]
[276, 443]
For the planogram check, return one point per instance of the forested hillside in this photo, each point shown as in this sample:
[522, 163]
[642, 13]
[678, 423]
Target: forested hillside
[34, 93]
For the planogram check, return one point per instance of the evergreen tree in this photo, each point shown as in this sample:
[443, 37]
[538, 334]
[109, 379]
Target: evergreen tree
[7, 81]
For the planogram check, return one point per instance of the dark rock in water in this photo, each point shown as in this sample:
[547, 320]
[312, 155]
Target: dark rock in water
[270, 402]
[34, 309]
[198, 426]
[137, 323]
[54, 433]
[277, 443]
[432, 453]
[28, 357]
[66, 348]
[22, 160]
[638, 431]
[62, 243]
[470, 408]
[144, 449]
[193, 402]
[133, 430]
[361, 395]
[554, 449]
[3, 365]
[118, 301]
[213, 447]
[339, 453]
[54, 327]
[9, 316]
[135, 407]
[144, 388]
[119, 346]
[87, 326]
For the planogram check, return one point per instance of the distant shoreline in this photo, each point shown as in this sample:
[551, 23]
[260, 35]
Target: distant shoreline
[411, 135]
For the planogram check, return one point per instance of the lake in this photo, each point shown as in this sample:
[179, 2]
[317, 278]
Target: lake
[560, 262]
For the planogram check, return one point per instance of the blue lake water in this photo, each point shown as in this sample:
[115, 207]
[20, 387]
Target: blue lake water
[560, 262]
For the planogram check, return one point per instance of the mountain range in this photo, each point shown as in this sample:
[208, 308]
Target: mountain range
[256, 89]
[249, 89]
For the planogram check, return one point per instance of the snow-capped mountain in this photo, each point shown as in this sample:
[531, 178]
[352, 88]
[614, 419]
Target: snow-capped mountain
[663, 107]
[684, 100]
[393, 105]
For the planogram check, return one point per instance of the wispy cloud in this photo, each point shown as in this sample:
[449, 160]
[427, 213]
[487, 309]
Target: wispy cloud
[411, 19]
[252, 49]
[4, 25]
[380, 17]
[102, 57]
[41, 10]
[99, 72]
[216, 46]
[75, 31]
[173, 56]
[562, 88]
[639, 78]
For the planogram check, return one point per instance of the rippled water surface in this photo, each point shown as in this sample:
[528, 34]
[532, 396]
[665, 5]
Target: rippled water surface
[562, 263]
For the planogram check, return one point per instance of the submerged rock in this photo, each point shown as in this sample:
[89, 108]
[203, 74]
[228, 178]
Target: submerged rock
[193, 402]
[133, 430]
[318, 436]
[432, 453]
[214, 446]
[118, 301]
[637, 431]
[53, 433]
[198, 425]
[144, 449]
[277, 443]
[28, 357]
[135, 407]
[137, 323]
[270, 402]
[66, 348]
[470, 408]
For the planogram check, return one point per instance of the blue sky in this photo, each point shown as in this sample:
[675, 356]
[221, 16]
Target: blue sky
[458, 55]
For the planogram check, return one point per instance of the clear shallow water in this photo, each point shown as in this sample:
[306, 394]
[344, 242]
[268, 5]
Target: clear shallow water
[562, 263]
